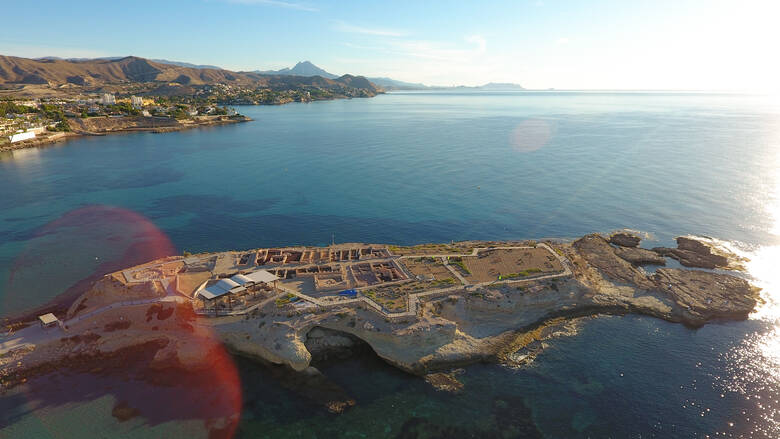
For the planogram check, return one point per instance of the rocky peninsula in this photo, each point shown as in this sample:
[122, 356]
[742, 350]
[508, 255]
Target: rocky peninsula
[101, 126]
[425, 309]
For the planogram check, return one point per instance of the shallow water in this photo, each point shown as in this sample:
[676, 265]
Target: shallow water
[421, 167]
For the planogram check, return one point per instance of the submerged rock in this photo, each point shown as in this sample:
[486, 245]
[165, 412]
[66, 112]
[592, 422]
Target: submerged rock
[339, 406]
[445, 381]
[123, 412]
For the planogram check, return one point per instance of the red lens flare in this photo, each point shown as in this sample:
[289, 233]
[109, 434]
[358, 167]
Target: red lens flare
[68, 254]
[137, 341]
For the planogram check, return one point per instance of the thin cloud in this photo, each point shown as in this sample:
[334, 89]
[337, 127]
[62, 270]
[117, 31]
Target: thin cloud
[433, 62]
[364, 47]
[345, 27]
[279, 3]
[434, 50]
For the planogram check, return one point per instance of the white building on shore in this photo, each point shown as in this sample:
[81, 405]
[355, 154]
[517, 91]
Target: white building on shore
[21, 136]
[26, 135]
[137, 102]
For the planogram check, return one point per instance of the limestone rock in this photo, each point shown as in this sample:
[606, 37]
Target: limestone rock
[640, 256]
[624, 239]
[693, 253]
[324, 343]
[704, 296]
[597, 251]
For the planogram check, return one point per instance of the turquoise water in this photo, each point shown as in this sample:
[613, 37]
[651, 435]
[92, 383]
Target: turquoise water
[422, 167]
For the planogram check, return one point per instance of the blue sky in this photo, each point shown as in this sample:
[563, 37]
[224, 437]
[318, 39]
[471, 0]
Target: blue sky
[598, 44]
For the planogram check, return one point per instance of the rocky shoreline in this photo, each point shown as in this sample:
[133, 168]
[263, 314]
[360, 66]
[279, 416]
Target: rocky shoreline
[120, 126]
[500, 322]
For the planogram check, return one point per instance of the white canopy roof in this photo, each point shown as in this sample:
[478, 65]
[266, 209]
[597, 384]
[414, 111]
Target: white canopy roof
[227, 284]
[212, 290]
[241, 279]
[261, 276]
[222, 287]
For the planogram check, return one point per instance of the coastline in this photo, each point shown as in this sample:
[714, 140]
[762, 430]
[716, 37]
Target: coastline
[119, 126]
[450, 327]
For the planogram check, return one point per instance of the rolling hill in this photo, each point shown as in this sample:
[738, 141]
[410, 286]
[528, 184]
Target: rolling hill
[107, 71]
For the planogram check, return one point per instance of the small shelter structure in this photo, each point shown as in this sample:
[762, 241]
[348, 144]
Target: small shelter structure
[237, 288]
[213, 289]
[48, 320]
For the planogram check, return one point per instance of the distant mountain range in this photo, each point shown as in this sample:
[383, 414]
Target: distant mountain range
[394, 84]
[186, 64]
[493, 86]
[211, 74]
[115, 58]
[306, 68]
[131, 69]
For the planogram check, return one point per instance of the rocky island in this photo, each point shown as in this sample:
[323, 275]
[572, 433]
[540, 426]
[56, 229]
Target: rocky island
[425, 309]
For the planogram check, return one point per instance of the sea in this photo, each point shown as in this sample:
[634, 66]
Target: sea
[409, 168]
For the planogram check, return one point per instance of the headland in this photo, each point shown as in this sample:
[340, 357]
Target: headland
[105, 125]
[425, 309]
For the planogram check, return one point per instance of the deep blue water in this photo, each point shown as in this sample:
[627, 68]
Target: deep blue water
[425, 167]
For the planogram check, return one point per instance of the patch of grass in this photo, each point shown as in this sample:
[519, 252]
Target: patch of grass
[443, 282]
[458, 262]
[370, 293]
[428, 248]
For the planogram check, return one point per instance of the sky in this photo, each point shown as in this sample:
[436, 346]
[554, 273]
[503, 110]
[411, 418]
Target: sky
[574, 44]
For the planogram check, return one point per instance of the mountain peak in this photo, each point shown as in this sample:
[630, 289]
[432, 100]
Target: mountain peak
[302, 68]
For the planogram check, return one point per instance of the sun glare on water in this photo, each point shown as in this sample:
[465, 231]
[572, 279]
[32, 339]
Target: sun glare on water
[754, 363]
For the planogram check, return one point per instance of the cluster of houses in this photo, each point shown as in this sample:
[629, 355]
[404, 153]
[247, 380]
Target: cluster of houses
[19, 127]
